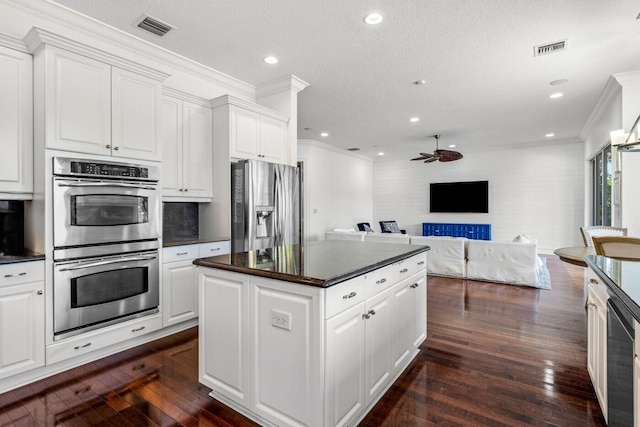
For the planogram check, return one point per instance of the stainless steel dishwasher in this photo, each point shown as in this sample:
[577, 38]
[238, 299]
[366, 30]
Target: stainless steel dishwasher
[620, 336]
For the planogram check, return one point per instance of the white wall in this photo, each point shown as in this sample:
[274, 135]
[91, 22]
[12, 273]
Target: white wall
[337, 186]
[538, 191]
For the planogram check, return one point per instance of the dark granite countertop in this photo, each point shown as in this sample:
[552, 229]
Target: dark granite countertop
[324, 263]
[622, 279]
[190, 242]
[24, 256]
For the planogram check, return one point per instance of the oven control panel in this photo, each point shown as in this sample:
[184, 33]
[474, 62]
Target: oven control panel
[90, 168]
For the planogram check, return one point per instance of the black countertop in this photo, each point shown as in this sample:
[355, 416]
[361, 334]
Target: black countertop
[324, 263]
[24, 256]
[622, 279]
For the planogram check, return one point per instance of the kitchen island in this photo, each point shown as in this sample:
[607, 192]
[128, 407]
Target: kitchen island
[310, 335]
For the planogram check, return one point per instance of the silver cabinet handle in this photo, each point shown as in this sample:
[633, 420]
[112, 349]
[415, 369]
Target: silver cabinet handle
[214, 249]
[116, 148]
[369, 314]
[186, 189]
[109, 146]
[404, 270]
[24, 273]
[138, 329]
[78, 347]
[351, 295]
[182, 253]
[421, 262]
[415, 285]
[40, 292]
[593, 281]
[381, 281]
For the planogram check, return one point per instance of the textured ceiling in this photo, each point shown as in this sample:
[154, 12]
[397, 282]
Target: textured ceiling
[484, 87]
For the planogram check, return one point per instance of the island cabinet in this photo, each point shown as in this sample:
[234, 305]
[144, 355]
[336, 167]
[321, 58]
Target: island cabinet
[292, 354]
[251, 130]
[186, 148]
[16, 124]
[597, 338]
[22, 303]
[94, 102]
[636, 374]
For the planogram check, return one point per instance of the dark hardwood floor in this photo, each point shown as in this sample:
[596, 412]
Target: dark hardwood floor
[496, 355]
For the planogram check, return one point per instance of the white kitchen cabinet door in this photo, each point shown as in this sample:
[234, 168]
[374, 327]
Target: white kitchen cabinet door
[77, 103]
[16, 122]
[597, 339]
[171, 147]
[245, 134]
[419, 298]
[403, 317]
[379, 328]
[224, 319]
[345, 367]
[273, 140]
[136, 105]
[179, 292]
[197, 151]
[22, 303]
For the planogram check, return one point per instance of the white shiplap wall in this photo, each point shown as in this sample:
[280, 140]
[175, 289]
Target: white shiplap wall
[538, 191]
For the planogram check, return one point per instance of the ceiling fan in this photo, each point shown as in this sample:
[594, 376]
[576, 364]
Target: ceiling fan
[441, 155]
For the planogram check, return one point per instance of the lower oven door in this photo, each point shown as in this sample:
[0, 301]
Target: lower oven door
[95, 292]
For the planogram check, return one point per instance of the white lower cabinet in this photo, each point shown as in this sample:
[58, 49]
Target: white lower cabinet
[636, 374]
[597, 339]
[290, 354]
[180, 279]
[21, 317]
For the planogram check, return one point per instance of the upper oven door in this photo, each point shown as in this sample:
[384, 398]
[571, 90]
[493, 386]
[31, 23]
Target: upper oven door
[89, 212]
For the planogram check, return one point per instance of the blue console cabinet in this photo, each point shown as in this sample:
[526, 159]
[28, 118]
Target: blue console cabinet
[470, 231]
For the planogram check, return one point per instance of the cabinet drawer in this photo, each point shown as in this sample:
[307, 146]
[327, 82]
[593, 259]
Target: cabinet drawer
[343, 296]
[102, 338]
[410, 266]
[21, 272]
[180, 253]
[380, 279]
[213, 249]
[420, 261]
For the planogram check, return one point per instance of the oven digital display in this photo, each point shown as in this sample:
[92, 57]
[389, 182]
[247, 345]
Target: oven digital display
[106, 169]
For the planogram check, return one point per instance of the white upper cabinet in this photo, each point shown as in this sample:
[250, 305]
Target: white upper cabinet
[252, 131]
[94, 102]
[186, 150]
[16, 124]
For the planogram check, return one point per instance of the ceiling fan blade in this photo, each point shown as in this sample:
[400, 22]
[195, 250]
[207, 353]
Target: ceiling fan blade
[424, 156]
[432, 159]
[418, 158]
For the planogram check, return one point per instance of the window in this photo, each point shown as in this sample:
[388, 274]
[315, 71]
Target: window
[602, 172]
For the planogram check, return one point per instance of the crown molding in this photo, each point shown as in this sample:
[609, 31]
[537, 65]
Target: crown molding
[280, 85]
[611, 89]
[79, 26]
[14, 43]
[174, 93]
[37, 37]
[248, 105]
[626, 78]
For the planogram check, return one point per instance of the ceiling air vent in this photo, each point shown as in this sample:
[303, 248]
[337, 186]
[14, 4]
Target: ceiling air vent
[154, 26]
[353, 149]
[545, 49]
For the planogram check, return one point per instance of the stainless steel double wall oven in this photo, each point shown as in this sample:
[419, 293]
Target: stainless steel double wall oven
[106, 231]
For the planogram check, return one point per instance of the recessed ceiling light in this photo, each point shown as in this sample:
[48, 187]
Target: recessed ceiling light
[414, 119]
[380, 153]
[324, 134]
[373, 18]
[420, 83]
[558, 82]
[452, 146]
[556, 95]
[270, 60]
[550, 135]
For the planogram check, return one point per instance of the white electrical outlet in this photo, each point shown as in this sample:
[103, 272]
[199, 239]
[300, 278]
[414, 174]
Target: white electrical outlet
[280, 319]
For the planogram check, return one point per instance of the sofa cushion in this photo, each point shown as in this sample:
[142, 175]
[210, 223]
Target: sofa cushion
[506, 262]
[345, 235]
[446, 256]
[387, 238]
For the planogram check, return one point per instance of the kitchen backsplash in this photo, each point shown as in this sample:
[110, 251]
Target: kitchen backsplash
[11, 227]
[179, 221]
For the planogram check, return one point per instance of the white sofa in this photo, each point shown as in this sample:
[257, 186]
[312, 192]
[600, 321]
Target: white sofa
[504, 262]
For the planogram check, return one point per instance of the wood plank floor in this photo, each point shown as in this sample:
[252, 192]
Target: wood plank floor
[496, 355]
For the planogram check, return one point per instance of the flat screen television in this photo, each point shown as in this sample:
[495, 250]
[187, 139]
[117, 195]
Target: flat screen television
[459, 197]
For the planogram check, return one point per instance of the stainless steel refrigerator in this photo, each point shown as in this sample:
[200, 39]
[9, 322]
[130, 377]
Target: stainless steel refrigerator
[265, 205]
